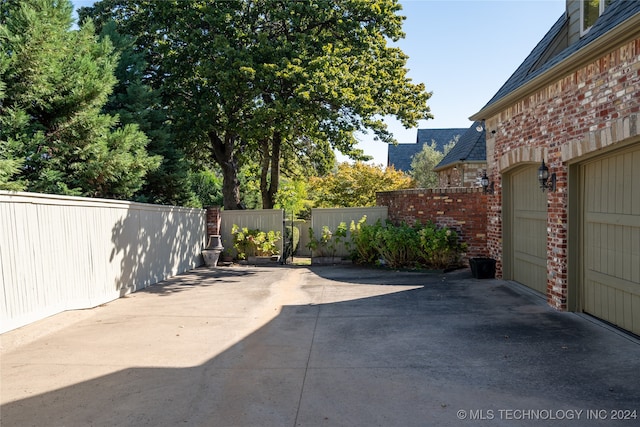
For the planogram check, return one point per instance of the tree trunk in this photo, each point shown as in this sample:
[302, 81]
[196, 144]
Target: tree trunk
[270, 163]
[223, 153]
[275, 168]
[264, 173]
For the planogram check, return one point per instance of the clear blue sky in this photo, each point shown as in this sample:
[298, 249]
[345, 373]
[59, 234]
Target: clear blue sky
[463, 51]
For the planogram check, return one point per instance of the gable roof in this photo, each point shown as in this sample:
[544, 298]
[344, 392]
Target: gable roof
[400, 156]
[471, 147]
[618, 12]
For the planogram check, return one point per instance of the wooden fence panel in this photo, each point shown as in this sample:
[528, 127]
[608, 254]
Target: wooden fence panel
[60, 253]
[261, 219]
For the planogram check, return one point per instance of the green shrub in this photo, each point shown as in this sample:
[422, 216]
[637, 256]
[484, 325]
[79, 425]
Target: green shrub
[362, 241]
[328, 242]
[441, 246]
[397, 246]
[254, 242]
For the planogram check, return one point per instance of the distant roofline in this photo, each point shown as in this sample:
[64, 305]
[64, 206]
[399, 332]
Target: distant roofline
[461, 130]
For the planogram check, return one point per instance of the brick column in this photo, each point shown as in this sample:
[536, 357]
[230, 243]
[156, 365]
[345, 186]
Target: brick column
[213, 220]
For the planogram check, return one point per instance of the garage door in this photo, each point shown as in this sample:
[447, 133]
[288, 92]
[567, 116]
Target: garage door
[611, 227]
[529, 229]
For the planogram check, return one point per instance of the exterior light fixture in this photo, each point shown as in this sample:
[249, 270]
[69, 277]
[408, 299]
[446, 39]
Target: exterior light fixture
[487, 187]
[547, 182]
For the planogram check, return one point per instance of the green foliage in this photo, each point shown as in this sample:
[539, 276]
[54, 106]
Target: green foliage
[355, 185]
[426, 160]
[10, 162]
[253, 82]
[441, 247]
[55, 82]
[10, 166]
[405, 246]
[329, 241]
[399, 246]
[207, 187]
[249, 187]
[136, 102]
[363, 236]
[292, 196]
[253, 242]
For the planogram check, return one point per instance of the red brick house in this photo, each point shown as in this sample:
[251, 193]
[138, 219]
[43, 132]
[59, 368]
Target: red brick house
[574, 104]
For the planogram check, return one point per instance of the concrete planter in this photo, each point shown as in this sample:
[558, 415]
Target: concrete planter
[213, 250]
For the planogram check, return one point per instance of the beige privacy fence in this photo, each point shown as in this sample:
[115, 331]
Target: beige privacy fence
[60, 253]
[255, 219]
[332, 217]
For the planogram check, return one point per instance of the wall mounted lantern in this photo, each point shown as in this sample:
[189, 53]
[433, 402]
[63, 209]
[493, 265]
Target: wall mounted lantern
[487, 187]
[546, 182]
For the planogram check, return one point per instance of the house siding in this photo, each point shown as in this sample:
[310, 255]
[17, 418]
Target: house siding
[593, 108]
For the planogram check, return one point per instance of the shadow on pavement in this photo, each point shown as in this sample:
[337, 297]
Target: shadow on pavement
[412, 358]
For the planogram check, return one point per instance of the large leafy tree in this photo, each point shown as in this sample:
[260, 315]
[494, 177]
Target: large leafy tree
[56, 80]
[259, 80]
[356, 184]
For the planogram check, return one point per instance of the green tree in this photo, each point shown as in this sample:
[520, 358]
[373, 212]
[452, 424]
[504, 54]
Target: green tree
[10, 162]
[206, 185]
[255, 80]
[56, 81]
[136, 102]
[354, 185]
[293, 197]
[428, 158]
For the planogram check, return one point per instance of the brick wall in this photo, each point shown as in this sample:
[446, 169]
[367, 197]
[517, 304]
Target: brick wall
[213, 220]
[462, 209]
[590, 109]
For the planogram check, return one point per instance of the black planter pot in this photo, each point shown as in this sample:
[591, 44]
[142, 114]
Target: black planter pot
[483, 268]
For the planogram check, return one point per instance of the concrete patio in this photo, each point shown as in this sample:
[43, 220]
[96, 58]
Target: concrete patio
[320, 346]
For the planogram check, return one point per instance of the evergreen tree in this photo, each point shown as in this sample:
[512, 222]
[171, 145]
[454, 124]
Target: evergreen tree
[56, 81]
[10, 163]
[136, 102]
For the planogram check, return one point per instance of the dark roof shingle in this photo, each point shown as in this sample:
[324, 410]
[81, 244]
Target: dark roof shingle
[400, 156]
[470, 147]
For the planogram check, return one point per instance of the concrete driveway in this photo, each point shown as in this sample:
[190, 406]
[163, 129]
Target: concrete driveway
[320, 346]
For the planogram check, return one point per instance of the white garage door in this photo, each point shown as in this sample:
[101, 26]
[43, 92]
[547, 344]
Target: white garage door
[529, 229]
[611, 240]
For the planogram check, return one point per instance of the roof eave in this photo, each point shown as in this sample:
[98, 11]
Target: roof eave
[618, 36]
